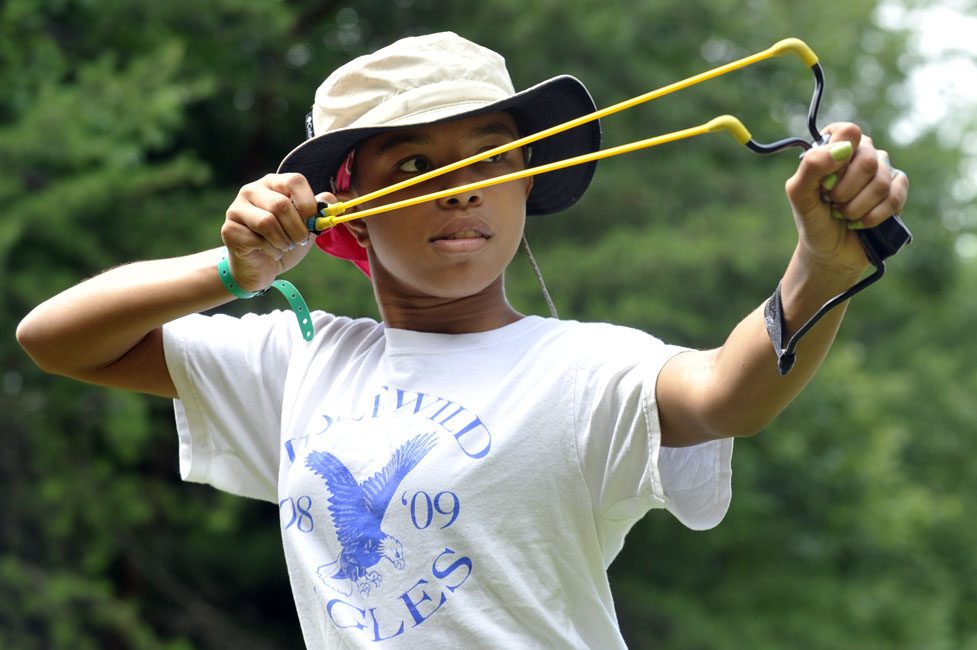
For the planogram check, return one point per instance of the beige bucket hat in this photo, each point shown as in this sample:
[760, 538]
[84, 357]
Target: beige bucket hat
[438, 77]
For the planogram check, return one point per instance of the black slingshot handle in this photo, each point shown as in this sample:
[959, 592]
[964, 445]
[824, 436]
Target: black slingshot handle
[885, 239]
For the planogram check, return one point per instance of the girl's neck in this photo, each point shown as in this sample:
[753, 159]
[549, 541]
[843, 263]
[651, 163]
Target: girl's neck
[486, 310]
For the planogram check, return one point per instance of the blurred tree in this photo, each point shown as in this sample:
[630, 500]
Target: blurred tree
[125, 130]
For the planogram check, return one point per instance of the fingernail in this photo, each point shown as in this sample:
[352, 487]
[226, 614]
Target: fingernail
[836, 214]
[829, 181]
[856, 225]
[840, 150]
[291, 247]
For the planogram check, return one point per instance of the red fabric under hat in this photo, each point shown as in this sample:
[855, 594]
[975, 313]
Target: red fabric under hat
[338, 241]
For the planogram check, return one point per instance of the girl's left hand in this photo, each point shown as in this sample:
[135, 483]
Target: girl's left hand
[839, 188]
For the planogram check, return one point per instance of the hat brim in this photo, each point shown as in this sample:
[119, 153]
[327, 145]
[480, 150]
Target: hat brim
[535, 109]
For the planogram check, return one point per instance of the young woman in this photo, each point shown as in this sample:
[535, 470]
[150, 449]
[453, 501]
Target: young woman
[459, 474]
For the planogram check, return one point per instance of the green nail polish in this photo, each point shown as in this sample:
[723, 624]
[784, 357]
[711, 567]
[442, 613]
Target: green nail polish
[856, 225]
[829, 181]
[836, 214]
[840, 150]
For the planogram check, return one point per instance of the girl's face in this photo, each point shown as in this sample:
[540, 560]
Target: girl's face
[453, 247]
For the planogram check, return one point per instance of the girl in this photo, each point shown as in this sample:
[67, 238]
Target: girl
[458, 474]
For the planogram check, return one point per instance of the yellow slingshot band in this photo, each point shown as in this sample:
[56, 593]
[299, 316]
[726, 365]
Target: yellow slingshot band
[334, 213]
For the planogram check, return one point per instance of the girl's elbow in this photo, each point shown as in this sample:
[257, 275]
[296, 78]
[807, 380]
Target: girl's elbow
[33, 338]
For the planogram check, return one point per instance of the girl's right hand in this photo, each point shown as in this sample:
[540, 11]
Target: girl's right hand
[264, 229]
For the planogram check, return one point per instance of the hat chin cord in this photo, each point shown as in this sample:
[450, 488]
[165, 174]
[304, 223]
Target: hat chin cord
[539, 277]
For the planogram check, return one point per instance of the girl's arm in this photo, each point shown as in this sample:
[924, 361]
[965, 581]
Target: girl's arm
[735, 390]
[108, 330]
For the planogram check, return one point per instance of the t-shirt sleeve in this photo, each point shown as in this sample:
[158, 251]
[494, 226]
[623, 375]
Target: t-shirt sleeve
[627, 469]
[229, 375]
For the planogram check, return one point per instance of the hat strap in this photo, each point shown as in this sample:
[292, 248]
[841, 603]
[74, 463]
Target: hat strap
[539, 277]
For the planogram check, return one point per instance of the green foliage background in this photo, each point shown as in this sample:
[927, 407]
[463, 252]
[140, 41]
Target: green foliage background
[126, 128]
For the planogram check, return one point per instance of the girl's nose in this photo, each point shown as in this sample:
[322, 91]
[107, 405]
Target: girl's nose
[465, 198]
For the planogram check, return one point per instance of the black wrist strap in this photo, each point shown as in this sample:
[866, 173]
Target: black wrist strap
[773, 316]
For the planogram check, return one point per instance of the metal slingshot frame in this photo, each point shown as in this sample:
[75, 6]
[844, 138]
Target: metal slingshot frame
[879, 242]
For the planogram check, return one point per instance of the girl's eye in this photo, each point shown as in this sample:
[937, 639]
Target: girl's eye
[416, 165]
[497, 158]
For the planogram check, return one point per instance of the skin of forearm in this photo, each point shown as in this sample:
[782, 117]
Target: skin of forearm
[735, 389]
[85, 329]
[753, 393]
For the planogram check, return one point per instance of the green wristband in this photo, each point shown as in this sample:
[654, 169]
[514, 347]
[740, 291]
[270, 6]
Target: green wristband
[287, 289]
[297, 303]
[224, 271]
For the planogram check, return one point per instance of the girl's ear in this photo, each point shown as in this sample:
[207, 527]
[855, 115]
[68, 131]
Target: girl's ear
[357, 227]
[359, 230]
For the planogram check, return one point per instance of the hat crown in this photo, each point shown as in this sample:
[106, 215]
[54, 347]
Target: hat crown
[415, 79]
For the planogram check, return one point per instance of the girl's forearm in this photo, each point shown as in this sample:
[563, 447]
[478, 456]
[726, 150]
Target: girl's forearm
[92, 325]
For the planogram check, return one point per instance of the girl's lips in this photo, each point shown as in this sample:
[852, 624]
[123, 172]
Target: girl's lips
[463, 235]
[460, 241]
[459, 234]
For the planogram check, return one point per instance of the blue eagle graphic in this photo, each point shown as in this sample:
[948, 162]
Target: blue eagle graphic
[357, 510]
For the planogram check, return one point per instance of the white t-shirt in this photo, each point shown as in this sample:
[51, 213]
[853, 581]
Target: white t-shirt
[441, 491]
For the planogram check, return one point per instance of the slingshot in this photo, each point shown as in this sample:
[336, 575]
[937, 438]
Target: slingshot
[879, 242]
